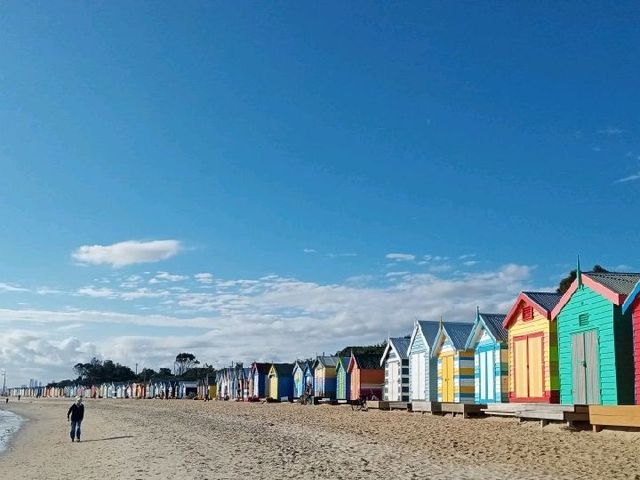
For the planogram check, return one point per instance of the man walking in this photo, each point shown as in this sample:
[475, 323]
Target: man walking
[76, 412]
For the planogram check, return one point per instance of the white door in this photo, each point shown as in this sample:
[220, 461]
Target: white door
[393, 382]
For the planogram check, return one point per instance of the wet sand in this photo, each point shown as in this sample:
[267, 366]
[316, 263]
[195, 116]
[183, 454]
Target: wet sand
[142, 439]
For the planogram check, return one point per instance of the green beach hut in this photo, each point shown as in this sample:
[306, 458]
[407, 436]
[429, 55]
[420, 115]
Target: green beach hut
[595, 351]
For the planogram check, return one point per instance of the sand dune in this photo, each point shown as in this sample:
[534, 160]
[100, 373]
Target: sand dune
[143, 439]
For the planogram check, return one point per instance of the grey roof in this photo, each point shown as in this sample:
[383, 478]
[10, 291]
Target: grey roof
[327, 361]
[547, 300]
[493, 321]
[458, 333]
[401, 344]
[618, 282]
[429, 330]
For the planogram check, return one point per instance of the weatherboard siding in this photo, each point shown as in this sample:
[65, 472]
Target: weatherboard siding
[636, 348]
[614, 346]
[463, 374]
[538, 325]
[420, 352]
[499, 385]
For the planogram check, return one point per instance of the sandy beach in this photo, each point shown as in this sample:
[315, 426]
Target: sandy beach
[143, 439]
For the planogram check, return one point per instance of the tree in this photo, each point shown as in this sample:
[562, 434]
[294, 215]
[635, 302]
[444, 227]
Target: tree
[185, 361]
[377, 349]
[146, 374]
[165, 372]
[566, 282]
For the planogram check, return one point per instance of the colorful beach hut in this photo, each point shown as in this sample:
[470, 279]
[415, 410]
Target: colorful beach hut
[298, 378]
[595, 345]
[367, 376]
[396, 370]
[307, 375]
[343, 379]
[533, 352]
[488, 340]
[280, 381]
[632, 304]
[324, 376]
[423, 368]
[258, 384]
[456, 378]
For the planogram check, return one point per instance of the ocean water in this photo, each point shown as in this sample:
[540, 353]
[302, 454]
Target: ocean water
[9, 425]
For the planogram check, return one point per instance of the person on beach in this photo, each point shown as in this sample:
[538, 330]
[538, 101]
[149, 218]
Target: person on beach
[76, 415]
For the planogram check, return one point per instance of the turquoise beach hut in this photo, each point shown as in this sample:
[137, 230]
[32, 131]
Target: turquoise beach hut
[343, 379]
[488, 338]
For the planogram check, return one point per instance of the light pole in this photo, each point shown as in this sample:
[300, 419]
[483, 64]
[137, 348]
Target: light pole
[4, 383]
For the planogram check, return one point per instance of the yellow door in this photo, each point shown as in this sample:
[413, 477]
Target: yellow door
[520, 370]
[447, 379]
[536, 388]
[273, 387]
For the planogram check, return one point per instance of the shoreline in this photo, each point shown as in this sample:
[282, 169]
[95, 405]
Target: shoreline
[11, 425]
[229, 440]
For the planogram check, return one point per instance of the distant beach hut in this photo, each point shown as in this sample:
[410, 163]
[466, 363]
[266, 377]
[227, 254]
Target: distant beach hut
[395, 362]
[343, 379]
[259, 372]
[423, 368]
[298, 378]
[281, 381]
[632, 304]
[456, 378]
[595, 339]
[533, 348]
[488, 339]
[324, 375]
[367, 376]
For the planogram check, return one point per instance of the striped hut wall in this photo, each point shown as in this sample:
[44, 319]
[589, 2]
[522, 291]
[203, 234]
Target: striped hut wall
[502, 372]
[464, 376]
[404, 380]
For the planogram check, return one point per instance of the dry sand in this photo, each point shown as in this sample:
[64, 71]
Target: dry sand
[143, 439]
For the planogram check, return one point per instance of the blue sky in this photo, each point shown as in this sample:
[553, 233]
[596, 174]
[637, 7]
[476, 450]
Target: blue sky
[289, 150]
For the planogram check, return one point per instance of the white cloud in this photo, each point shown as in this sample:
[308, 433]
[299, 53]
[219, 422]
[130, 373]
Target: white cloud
[206, 278]
[9, 287]
[400, 257]
[309, 250]
[127, 253]
[396, 274]
[167, 277]
[336, 255]
[630, 178]
[466, 256]
[96, 292]
[470, 263]
[611, 131]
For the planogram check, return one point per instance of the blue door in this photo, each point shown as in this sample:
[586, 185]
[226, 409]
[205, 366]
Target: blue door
[487, 374]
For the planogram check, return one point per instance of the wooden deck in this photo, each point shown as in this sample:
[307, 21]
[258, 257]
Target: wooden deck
[425, 407]
[614, 416]
[545, 412]
[377, 405]
[466, 409]
[399, 406]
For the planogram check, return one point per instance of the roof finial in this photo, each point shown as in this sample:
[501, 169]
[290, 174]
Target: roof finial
[477, 312]
[579, 273]
[441, 321]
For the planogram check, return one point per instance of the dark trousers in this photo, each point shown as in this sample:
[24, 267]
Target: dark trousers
[75, 429]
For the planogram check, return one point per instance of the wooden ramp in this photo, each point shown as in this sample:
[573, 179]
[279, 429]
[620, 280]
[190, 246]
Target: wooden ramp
[425, 407]
[377, 405]
[544, 412]
[399, 406]
[466, 409]
[614, 416]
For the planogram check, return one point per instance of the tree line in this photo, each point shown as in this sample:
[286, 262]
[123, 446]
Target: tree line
[95, 372]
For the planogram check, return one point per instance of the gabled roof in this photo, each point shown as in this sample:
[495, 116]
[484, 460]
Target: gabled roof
[368, 361]
[614, 286]
[456, 332]
[542, 302]
[428, 329]
[631, 298]
[283, 369]
[262, 368]
[326, 361]
[400, 345]
[343, 362]
[492, 323]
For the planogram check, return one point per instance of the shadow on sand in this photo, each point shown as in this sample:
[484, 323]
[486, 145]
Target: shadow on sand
[105, 439]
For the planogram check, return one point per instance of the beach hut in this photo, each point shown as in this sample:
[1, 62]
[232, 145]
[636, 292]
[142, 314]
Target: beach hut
[595, 346]
[343, 379]
[395, 362]
[299, 387]
[488, 339]
[280, 380]
[456, 378]
[423, 368]
[259, 372]
[367, 376]
[532, 348]
[324, 376]
[632, 304]
[309, 381]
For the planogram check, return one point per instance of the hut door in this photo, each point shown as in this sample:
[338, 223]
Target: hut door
[529, 366]
[447, 379]
[392, 385]
[487, 376]
[586, 377]
[418, 376]
[536, 362]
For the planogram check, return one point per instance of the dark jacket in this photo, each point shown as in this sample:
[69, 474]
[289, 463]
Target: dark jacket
[76, 411]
